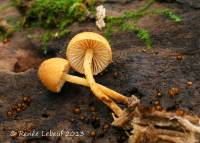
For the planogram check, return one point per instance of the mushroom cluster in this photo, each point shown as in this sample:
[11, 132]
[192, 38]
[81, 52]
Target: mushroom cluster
[88, 53]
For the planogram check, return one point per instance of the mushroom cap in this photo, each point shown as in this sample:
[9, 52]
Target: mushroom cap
[102, 54]
[51, 71]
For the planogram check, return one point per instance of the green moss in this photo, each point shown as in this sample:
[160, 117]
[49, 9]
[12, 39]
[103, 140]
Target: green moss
[45, 39]
[59, 14]
[144, 35]
[53, 14]
[168, 13]
[128, 22]
[129, 19]
[48, 35]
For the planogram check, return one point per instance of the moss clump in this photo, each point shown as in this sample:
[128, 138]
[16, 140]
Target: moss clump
[56, 13]
[53, 14]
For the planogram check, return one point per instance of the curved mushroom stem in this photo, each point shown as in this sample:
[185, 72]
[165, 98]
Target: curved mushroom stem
[93, 85]
[109, 92]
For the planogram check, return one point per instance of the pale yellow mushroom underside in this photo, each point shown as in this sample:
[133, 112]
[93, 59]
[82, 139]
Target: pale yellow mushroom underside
[102, 54]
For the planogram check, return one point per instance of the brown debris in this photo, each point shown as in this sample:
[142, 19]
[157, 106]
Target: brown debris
[106, 127]
[154, 126]
[9, 114]
[27, 99]
[157, 103]
[92, 134]
[6, 41]
[179, 57]
[82, 117]
[173, 91]
[179, 112]
[159, 94]
[144, 50]
[18, 110]
[77, 110]
[189, 83]
[92, 109]
[95, 118]
[24, 106]
[19, 107]
[115, 74]
[158, 107]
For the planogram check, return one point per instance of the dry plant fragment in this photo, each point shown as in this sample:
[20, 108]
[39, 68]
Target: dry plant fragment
[100, 15]
[187, 124]
[150, 126]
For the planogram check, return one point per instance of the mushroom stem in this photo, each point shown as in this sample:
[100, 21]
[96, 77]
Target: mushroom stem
[93, 85]
[82, 81]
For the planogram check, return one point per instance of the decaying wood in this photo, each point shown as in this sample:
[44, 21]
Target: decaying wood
[152, 126]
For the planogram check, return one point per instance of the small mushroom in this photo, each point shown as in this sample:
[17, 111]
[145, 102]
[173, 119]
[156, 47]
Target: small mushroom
[53, 74]
[90, 53]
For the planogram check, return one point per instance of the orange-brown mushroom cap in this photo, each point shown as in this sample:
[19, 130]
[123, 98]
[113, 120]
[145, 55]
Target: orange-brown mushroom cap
[51, 71]
[102, 54]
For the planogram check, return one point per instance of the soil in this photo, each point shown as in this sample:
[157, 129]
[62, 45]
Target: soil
[150, 74]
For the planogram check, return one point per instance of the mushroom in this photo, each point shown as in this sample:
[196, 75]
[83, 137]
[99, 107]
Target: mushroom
[53, 74]
[90, 53]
